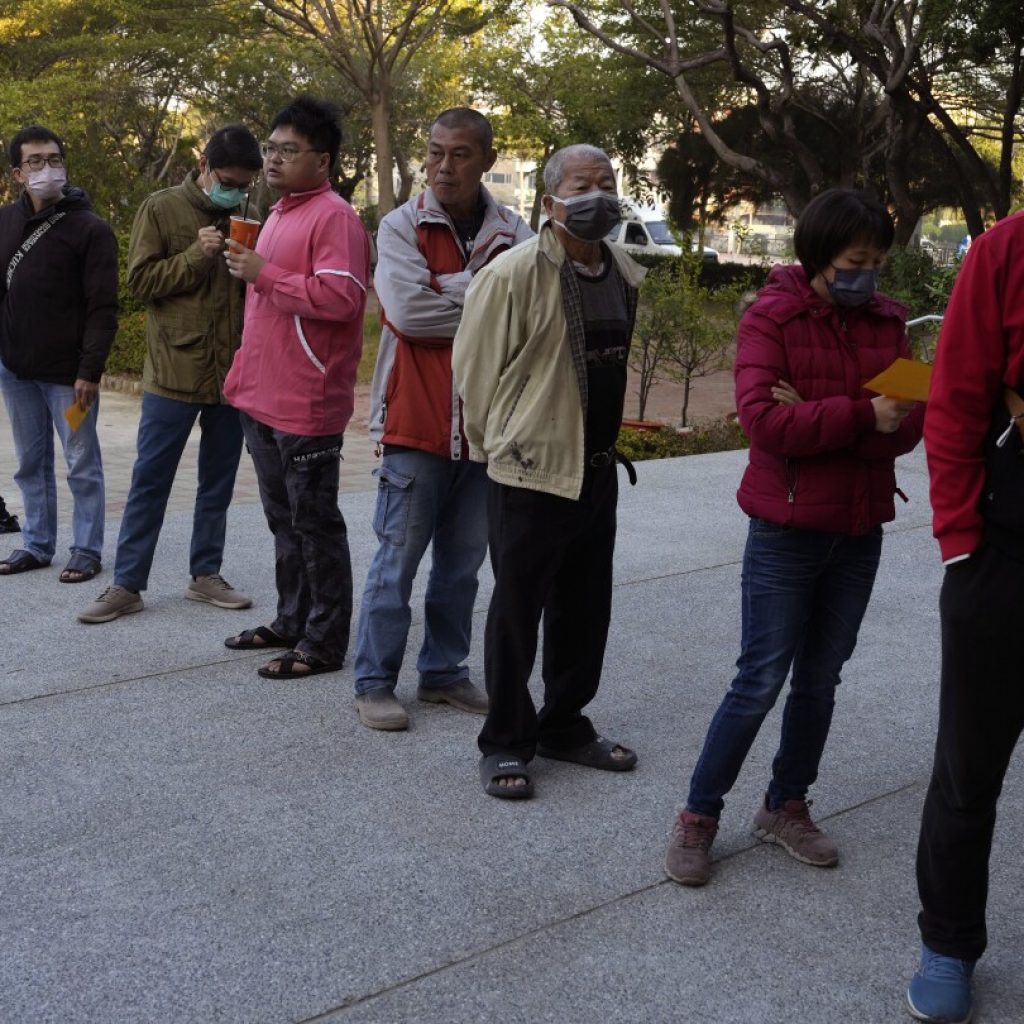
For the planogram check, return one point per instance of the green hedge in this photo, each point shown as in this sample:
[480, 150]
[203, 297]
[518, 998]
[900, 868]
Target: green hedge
[713, 276]
[640, 445]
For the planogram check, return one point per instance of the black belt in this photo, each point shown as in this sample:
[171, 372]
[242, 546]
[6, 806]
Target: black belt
[602, 460]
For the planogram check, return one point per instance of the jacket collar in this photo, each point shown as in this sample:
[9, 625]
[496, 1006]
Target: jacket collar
[550, 247]
[789, 292]
[293, 199]
[430, 211]
[198, 198]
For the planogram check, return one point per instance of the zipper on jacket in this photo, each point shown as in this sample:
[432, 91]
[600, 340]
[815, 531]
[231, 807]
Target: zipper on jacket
[792, 476]
[383, 410]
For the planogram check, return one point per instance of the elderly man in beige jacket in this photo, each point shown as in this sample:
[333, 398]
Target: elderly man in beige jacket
[542, 406]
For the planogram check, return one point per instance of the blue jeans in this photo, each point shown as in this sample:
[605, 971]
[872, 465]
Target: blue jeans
[163, 431]
[804, 596]
[422, 497]
[35, 409]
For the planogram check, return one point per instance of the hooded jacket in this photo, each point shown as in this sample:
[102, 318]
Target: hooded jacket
[193, 305]
[303, 333]
[980, 351]
[59, 318]
[820, 464]
[421, 280]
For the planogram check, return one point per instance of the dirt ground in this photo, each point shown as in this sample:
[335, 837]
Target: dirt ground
[711, 398]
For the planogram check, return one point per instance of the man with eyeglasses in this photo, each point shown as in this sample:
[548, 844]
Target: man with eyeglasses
[193, 328]
[293, 380]
[58, 317]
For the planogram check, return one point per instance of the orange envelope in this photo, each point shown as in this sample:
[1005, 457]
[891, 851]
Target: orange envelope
[906, 380]
[75, 414]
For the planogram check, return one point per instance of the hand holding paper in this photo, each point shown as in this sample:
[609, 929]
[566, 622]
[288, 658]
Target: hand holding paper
[906, 380]
[75, 415]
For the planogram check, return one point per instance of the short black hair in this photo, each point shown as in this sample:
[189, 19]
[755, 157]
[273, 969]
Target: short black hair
[835, 220]
[233, 146]
[317, 121]
[33, 133]
[471, 120]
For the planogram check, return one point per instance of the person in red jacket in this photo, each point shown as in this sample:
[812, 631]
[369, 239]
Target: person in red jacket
[819, 484]
[977, 492]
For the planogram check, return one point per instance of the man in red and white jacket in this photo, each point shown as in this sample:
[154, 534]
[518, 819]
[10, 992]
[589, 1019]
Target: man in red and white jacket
[293, 381]
[429, 490]
[980, 529]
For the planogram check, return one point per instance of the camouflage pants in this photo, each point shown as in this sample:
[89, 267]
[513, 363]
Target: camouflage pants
[298, 479]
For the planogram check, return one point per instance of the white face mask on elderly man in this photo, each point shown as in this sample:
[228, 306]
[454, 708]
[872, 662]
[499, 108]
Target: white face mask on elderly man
[591, 216]
[47, 183]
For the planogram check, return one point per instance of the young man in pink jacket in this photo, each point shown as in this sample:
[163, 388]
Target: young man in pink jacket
[293, 381]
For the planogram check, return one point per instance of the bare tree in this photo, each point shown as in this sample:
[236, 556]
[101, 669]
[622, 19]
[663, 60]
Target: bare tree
[372, 44]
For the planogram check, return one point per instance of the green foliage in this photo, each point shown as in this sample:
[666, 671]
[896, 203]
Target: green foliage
[640, 445]
[682, 332]
[911, 277]
[712, 276]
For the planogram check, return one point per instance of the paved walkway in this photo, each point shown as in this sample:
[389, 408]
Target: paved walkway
[181, 841]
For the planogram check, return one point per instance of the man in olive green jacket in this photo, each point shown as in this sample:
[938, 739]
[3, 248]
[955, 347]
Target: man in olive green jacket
[193, 328]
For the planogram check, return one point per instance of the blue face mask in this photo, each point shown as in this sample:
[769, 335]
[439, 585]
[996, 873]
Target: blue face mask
[852, 287]
[225, 198]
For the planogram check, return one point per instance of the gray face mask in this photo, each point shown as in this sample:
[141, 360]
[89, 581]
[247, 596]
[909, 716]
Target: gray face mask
[852, 287]
[592, 216]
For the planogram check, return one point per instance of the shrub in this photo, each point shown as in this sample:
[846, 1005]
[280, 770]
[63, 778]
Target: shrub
[713, 276]
[718, 436]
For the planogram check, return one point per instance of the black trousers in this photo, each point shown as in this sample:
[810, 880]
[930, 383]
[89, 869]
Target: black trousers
[981, 714]
[299, 479]
[552, 557]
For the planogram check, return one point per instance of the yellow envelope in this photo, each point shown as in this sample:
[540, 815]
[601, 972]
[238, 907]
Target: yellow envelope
[75, 414]
[906, 380]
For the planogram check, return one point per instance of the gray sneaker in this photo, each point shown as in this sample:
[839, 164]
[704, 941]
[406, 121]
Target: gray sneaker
[688, 861]
[378, 709]
[114, 601]
[791, 827]
[461, 694]
[216, 590]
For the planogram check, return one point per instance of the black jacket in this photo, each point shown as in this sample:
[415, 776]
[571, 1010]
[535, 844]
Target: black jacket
[59, 318]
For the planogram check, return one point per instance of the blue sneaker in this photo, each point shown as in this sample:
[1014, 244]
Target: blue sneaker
[941, 990]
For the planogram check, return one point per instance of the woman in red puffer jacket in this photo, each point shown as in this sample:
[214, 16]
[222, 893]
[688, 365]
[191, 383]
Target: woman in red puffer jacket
[819, 484]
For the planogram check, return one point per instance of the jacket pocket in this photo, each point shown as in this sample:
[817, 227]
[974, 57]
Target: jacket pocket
[516, 398]
[391, 517]
[181, 356]
[307, 348]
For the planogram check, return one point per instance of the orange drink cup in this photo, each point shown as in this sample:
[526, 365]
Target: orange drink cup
[244, 231]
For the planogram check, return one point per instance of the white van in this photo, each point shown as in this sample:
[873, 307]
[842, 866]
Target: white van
[643, 229]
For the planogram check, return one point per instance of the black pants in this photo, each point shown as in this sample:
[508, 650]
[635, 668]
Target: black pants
[298, 478]
[553, 557]
[981, 714]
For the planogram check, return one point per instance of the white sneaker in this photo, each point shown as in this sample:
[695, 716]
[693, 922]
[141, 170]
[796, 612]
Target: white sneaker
[216, 590]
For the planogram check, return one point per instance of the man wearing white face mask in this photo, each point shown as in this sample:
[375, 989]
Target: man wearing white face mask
[58, 317]
[543, 405]
[193, 329]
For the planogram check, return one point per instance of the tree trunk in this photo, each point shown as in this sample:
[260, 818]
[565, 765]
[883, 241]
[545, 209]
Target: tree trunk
[380, 109]
[1014, 95]
[686, 400]
[405, 179]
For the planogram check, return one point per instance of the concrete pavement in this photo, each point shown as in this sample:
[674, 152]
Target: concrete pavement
[181, 841]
